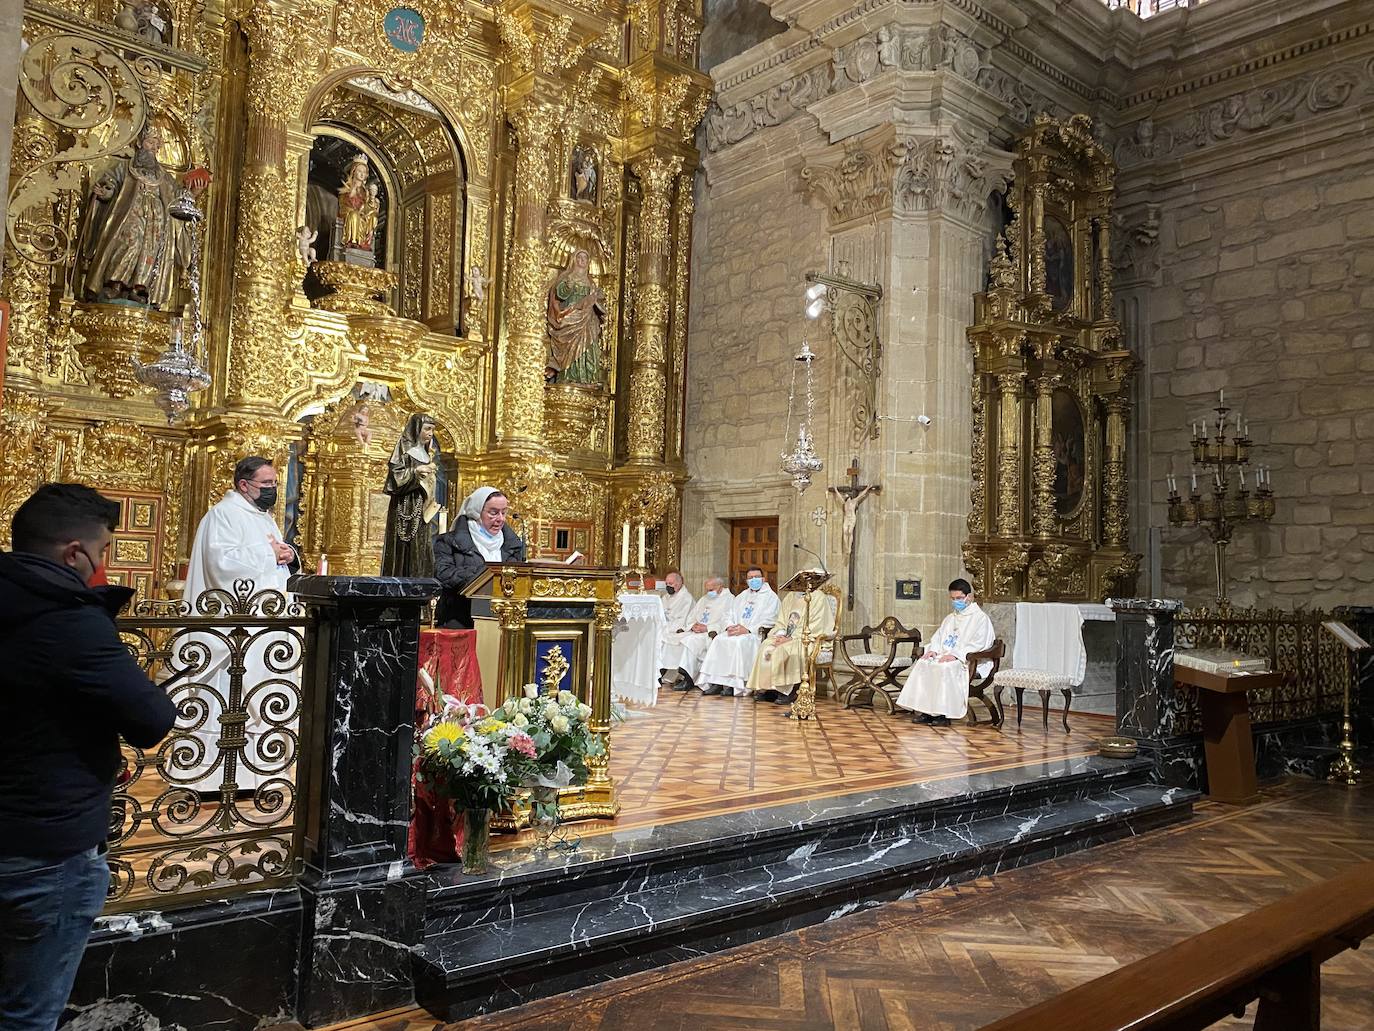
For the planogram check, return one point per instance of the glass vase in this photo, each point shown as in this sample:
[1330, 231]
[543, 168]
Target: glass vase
[476, 840]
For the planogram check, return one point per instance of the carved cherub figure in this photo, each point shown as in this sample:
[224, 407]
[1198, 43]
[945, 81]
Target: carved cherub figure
[305, 239]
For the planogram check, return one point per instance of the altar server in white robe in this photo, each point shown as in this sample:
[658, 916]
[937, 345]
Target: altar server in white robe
[937, 687]
[677, 615]
[730, 658]
[710, 616]
[238, 539]
[778, 667]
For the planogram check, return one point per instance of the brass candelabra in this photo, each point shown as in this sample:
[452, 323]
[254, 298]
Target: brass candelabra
[1222, 459]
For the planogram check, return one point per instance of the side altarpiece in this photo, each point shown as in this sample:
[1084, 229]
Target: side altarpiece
[405, 202]
[1052, 385]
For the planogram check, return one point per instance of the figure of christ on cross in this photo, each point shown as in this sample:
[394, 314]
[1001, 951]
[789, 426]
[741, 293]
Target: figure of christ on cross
[853, 493]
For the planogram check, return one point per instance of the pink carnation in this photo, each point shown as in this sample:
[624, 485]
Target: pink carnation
[524, 744]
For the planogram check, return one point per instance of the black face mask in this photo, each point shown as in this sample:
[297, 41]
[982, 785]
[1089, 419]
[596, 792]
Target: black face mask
[670, 588]
[266, 499]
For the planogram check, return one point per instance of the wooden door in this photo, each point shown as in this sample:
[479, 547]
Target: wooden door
[753, 542]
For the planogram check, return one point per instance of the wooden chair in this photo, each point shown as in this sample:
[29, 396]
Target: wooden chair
[978, 685]
[822, 657]
[872, 673]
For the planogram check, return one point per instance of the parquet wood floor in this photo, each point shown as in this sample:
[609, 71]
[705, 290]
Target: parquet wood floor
[691, 756]
[956, 959]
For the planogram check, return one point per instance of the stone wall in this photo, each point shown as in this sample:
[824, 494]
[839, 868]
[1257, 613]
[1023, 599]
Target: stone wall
[751, 246]
[1268, 292]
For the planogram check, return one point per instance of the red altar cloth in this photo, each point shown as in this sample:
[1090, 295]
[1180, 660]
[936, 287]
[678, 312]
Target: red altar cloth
[450, 658]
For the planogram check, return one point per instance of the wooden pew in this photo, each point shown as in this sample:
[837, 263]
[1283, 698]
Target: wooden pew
[1273, 954]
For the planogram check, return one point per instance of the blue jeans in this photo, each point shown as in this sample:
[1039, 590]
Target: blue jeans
[47, 907]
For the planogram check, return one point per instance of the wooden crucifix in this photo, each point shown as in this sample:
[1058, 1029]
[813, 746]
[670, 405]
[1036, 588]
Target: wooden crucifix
[853, 493]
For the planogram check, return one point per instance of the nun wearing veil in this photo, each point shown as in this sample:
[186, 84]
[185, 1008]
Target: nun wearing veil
[479, 536]
[411, 482]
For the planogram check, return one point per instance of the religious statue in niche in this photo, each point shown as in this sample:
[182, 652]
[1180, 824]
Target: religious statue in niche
[359, 208]
[1066, 437]
[412, 485]
[583, 174]
[576, 312]
[143, 19]
[305, 244]
[130, 244]
[1058, 263]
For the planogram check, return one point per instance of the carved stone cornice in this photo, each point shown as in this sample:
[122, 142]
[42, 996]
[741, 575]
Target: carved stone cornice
[952, 173]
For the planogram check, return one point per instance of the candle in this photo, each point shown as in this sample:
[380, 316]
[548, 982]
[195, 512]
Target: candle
[1241, 469]
[641, 546]
[1173, 487]
[1221, 397]
[324, 564]
[625, 544]
[1194, 481]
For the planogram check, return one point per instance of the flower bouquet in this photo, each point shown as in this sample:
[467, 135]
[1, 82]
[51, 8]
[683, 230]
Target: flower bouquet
[478, 761]
[561, 730]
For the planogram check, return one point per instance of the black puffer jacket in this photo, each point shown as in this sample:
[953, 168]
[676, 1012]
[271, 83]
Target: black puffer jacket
[457, 562]
[69, 689]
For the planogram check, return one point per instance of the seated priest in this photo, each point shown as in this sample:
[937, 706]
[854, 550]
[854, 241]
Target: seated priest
[778, 667]
[728, 661]
[709, 617]
[677, 613]
[479, 536]
[937, 686]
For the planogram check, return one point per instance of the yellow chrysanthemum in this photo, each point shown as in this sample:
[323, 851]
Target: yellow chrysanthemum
[490, 726]
[445, 731]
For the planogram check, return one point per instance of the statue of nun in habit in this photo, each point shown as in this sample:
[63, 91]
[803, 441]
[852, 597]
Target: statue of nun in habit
[411, 481]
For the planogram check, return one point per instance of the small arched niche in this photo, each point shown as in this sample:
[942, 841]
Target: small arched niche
[421, 177]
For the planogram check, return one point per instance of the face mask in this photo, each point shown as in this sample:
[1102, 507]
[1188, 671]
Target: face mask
[267, 497]
[670, 588]
[960, 604]
[755, 583]
[94, 575]
[712, 594]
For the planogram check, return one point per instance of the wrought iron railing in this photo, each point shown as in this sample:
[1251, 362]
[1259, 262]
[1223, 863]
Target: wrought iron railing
[1313, 663]
[212, 809]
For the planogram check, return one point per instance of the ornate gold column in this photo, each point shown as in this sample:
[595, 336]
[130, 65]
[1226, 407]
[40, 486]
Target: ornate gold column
[259, 361]
[657, 171]
[680, 274]
[1009, 386]
[1042, 480]
[522, 386]
[1114, 495]
[599, 767]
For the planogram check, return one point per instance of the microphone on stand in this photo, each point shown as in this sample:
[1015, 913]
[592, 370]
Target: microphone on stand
[815, 556]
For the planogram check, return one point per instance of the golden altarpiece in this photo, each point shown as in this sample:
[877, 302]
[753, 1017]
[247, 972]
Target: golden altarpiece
[1052, 385]
[495, 148]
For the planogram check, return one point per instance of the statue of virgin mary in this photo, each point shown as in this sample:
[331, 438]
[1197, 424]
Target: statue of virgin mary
[576, 311]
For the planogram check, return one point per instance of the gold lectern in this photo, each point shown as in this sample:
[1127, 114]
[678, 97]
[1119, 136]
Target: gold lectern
[551, 625]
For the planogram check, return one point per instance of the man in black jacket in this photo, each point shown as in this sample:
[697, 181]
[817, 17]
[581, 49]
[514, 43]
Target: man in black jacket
[69, 689]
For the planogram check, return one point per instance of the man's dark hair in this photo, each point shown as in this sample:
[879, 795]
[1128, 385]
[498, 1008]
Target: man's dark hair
[754, 569]
[60, 512]
[247, 468]
[961, 585]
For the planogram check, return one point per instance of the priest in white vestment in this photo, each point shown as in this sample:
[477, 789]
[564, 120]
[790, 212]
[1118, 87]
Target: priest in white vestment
[937, 687]
[710, 616]
[778, 667]
[727, 663]
[238, 539]
[677, 615]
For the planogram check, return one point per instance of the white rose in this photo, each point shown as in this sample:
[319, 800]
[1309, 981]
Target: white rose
[551, 711]
[564, 697]
[584, 712]
[559, 724]
[521, 721]
[526, 706]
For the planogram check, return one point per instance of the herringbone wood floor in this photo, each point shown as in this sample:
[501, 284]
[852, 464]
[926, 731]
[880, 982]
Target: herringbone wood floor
[956, 959]
[692, 756]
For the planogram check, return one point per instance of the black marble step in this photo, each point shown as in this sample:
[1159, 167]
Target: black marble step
[612, 865]
[514, 958]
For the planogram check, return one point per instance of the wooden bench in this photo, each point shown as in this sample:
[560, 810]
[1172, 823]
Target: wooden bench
[1273, 954]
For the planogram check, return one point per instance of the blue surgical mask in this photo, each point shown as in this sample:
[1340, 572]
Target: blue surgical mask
[712, 594]
[960, 604]
[756, 583]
